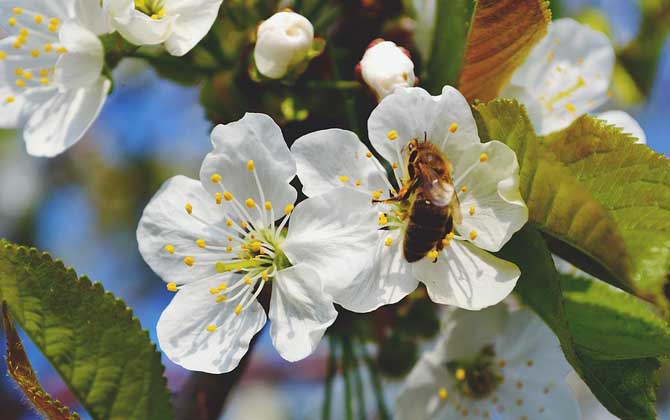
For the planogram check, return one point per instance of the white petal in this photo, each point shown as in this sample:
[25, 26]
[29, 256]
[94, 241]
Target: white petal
[419, 399]
[491, 206]
[82, 64]
[467, 277]
[386, 280]
[570, 67]
[92, 16]
[54, 122]
[334, 233]
[324, 156]
[413, 114]
[625, 122]
[166, 222]
[183, 336]
[300, 312]
[135, 26]
[467, 332]
[531, 402]
[194, 21]
[282, 40]
[255, 137]
[9, 112]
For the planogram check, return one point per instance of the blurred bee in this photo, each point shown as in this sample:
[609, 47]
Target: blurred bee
[434, 208]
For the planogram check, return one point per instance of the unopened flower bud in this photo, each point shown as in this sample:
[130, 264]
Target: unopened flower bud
[385, 66]
[283, 41]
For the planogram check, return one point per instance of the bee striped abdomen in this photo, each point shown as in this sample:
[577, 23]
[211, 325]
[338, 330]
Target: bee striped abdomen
[427, 225]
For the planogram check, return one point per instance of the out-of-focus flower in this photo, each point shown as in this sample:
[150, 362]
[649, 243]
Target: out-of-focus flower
[177, 23]
[215, 243]
[490, 364]
[284, 43]
[484, 189]
[625, 122]
[566, 75]
[385, 67]
[51, 86]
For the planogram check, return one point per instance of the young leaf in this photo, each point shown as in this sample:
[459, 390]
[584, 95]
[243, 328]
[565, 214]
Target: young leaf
[633, 183]
[477, 45]
[20, 369]
[578, 226]
[91, 338]
[610, 324]
[625, 387]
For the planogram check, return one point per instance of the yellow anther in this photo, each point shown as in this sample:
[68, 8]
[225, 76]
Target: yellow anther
[250, 203]
[344, 178]
[368, 155]
[432, 254]
[54, 21]
[155, 17]
[52, 27]
[11, 21]
[218, 198]
[357, 183]
[27, 75]
[161, 13]
[256, 246]
[223, 287]
[392, 135]
[201, 243]
[220, 267]
[17, 44]
[250, 165]
[189, 261]
[289, 209]
[44, 81]
[229, 223]
[443, 393]
[446, 242]
[383, 219]
[216, 178]
[570, 107]
[229, 248]
[453, 127]
[61, 50]
[172, 287]
[48, 47]
[38, 19]
[20, 83]
[451, 235]
[227, 196]
[230, 238]
[388, 241]
[265, 276]
[244, 224]
[211, 328]
[17, 10]
[483, 157]
[460, 374]
[464, 189]
[376, 195]
[35, 53]
[23, 33]
[3, 55]
[220, 298]
[268, 206]
[213, 291]
[247, 280]
[10, 99]
[18, 71]
[44, 72]
[394, 165]
[238, 309]
[169, 248]
[189, 208]
[473, 235]
[471, 210]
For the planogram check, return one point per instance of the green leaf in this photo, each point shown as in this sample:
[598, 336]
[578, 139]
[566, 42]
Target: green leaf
[633, 183]
[20, 369]
[90, 337]
[625, 387]
[477, 45]
[577, 226]
[611, 324]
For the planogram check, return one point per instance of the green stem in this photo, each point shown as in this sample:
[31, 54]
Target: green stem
[376, 384]
[330, 376]
[346, 368]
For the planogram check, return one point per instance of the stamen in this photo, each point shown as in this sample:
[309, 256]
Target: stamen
[460, 374]
[169, 248]
[268, 206]
[570, 107]
[432, 254]
[392, 135]
[250, 165]
[473, 235]
[443, 393]
[453, 128]
[215, 178]
[238, 309]
[172, 287]
[464, 189]
[472, 210]
[383, 219]
[250, 203]
[288, 209]
[201, 243]
[189, 208]
[376, 195]
[483, 157]
[189, 261]
[218, 197]
[368, 155]
[211, 328]
[388, 241]
[344, 178]
[227, 196]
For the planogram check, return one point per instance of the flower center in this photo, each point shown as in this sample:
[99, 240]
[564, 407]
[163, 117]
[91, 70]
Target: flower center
[476, 378]
[153, 8]
[34, 50]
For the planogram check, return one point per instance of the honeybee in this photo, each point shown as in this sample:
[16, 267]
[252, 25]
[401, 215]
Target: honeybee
[434, 208]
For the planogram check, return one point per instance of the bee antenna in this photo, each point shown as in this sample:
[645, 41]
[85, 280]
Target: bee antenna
[425, 136]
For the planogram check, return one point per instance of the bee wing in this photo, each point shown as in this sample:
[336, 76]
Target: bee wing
[438, 191]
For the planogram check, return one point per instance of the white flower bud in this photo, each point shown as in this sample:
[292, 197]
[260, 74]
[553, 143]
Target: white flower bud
[283, 40]
[385, 66]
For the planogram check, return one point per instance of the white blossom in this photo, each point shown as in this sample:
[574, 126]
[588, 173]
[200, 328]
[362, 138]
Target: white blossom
[486, 181]
[385, 67]
[282, 41]
[51, 82]
[218, 241]
[491, 364]
[179, 24]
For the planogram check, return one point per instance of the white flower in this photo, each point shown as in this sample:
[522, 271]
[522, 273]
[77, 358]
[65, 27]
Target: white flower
[486, 181]
[566, 75]
[283, 41]
[51, 86]
[385, 66]
[215, 242]
[490, 364]
[177, 23]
